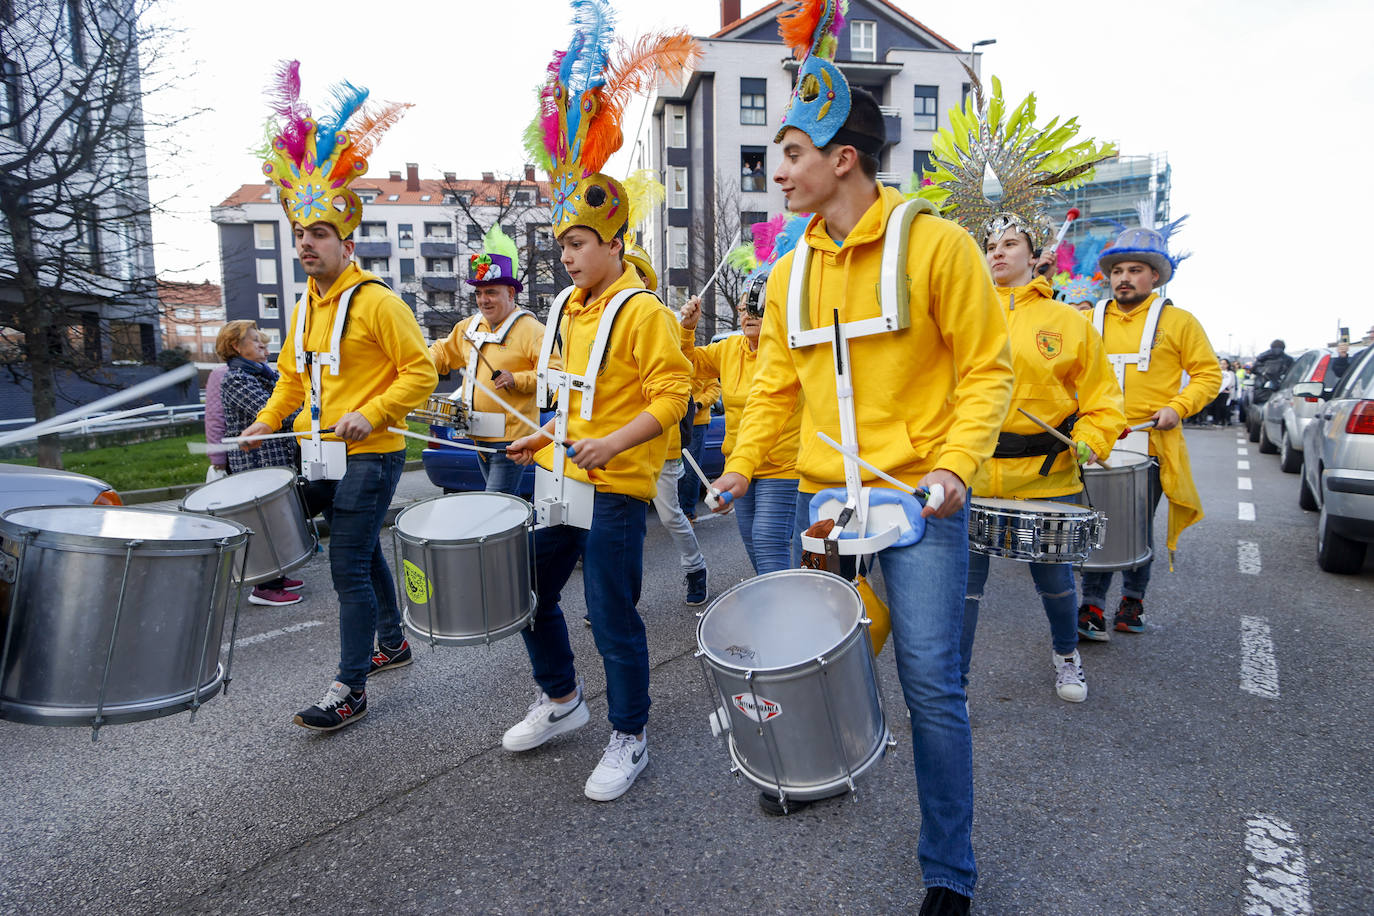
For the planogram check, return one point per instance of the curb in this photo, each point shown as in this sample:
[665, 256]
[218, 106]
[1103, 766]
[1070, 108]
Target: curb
[177, 491]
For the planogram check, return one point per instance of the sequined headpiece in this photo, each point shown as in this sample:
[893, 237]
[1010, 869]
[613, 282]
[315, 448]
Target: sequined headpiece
[820, 100]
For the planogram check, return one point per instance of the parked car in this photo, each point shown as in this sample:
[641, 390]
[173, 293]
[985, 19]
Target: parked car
[1286, 415]
[454, 469]
[21, 485]
[1338, 467]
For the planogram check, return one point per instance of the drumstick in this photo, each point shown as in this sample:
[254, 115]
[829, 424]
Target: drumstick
[232, 443]
[1059, 239]
[495, 373]
[714, 497]
[1056, 433]
[712, 278]
[521, 417]
[156, 383]
[449, 442]
[915, 491]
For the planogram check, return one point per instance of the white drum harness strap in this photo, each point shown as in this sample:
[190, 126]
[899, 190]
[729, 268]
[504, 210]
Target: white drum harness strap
[488, 425]
[1141, 358]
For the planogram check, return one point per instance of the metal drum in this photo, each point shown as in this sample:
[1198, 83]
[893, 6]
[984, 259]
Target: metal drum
[465, 567]
[1122, 492]
[789, 667]
[1034, 530]
[442, 410]
[268, 502]
[113, 614]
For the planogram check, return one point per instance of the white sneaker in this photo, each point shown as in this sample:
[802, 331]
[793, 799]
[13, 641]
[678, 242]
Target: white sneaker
[623, 760]
[546, 719]
[1069, 681]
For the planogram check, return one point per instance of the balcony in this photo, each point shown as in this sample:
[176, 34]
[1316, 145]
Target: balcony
[372, 246]
[895, 179]
[892, 122]
[438, 247]
[439, 281]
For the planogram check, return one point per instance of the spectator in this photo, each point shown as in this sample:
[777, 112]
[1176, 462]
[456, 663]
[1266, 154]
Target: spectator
[214, 424]
[1220, 409]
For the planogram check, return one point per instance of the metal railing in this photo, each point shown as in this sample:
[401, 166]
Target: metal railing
[163, 416]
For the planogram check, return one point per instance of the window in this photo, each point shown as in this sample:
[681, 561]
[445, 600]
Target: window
[924, 112]
[86, 223]
[267, 272]
[367, 197]
[748, 219]
[298, 272]
[407, 270]
[677, 296]
[377, 265]
[393, 197]
[524, 197]
[409, 299]
[677, 126]
[184, 314]
[677, 187]
[210, 332]
[863, 39]
[438, 265]
[426, 197]
[920, 161]
[372, 231]
[264, 236]
[273, 336]
[72, 24]
[126, 342]
[215, 314]
[269, 306]
[753, 101]
[9, 98]
[438, 231]
[752, 176]
[508, 229]
[438, 300]
[186, 330]
[474, 233]
[405, 233]
[677, 247]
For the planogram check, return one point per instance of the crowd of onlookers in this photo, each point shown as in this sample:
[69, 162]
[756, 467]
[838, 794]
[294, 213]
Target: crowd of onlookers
[1264, 373]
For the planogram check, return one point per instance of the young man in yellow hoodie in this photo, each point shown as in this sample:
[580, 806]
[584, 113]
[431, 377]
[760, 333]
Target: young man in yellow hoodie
[931, 384]
[355, 358]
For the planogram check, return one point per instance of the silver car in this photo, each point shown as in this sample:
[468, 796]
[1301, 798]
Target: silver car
[1286, 414]
[22, 485]
[1338, 467]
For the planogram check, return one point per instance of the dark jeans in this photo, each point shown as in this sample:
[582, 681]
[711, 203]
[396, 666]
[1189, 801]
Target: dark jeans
[501, 474]
[355, 508]
[612, 555]
[688, 486]
[1133, 581]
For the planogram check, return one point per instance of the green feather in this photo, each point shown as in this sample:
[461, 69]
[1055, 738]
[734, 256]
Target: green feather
[497, 242]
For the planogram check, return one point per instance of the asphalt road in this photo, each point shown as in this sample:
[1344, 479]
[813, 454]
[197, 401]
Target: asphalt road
[1205, 773]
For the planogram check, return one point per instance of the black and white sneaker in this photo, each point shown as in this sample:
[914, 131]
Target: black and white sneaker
[385, 657]
[339, 707]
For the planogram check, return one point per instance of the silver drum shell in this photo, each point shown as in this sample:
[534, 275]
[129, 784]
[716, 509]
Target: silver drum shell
[283, 539]
[1122, 494]
[68, 634]
[459, 589]
[829, 727]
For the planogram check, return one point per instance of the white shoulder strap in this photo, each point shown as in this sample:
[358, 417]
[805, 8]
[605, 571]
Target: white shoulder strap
[329, 359]
[546, 347]
[1147, 339]
[603, 336]
[1100, 316]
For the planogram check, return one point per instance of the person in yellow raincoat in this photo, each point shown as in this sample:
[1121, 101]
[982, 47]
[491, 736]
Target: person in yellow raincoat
[1151, 377]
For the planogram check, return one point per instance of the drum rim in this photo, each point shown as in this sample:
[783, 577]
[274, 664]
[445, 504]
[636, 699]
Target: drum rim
[980, 504]
[418, 540]
[16, 530]
[286, 485]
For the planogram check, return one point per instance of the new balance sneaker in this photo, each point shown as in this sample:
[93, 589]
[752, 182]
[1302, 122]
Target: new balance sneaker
[291, 585]
[1091, 624]
[621, 763]
[941, 901]
[696, 588]
[1069, 681]
[384, 657]
[274, 597]
[1127, 619]
[339, 707]
[546, 719]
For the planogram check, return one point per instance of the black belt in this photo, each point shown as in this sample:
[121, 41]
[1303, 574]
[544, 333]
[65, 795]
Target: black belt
[1015, 445]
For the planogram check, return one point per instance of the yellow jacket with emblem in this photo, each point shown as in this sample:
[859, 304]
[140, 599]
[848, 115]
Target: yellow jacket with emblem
[644, 371]
[1180, 346]
[1061, 369]
[385, 370]
[932, 395]
[518, 354]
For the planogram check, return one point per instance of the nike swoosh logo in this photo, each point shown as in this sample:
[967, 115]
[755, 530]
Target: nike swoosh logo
[555, 717]
[638, 756]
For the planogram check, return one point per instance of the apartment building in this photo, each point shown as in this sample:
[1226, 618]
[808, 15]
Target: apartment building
[192, 317]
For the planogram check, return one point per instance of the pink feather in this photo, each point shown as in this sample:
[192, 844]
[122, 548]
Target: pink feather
[549, 109]
[765, 234]
[839, 18]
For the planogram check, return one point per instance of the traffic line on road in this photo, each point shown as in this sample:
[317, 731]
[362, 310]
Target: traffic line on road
[1242, 451]
[273, 634]
[1259, 670]
[1278, 884]
[1248, 557]
[1244, 483]
[1246, 512]
[1242, 464]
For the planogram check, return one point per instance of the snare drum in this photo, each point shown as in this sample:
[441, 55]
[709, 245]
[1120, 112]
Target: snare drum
[1033, 530]
[267, 501]
[790, 672]
[464, 562]
[1123, 493]
[113, 614]
[443, 411]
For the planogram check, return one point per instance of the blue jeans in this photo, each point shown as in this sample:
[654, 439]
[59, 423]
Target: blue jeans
[1054, 584]
[501, 474]
[355, 511]
[766, 516]
[1133, 581]
[925, 594]
[612, 555]
[689, 488]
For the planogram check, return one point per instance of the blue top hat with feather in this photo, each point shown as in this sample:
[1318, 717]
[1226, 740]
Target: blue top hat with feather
[1144, 244]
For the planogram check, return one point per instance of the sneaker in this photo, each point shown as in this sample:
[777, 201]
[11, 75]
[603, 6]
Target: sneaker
[1127, 618]
[339, 707]
[696, 588]
[385, 657]
[291, 585]
[1069, 681]
[623, 760]
[941, 901]
[546, 719]
[1091, 625]
[274, 597]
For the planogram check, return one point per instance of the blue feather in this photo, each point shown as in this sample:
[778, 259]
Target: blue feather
[789, 235]
[594, 21]
[348, 99]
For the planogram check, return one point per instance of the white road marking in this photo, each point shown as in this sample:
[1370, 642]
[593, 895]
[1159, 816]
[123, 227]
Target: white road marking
[1242, 464]
[1246, 512]
[1248, 557]
[1244, 483]
[273, 634]
[1278, 883]
[1242, 451]
[1259, 670]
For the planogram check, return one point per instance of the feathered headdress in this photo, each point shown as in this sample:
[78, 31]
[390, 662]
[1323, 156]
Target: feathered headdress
[313, 162]
[1148, 244]
[644, 193]
[581, 103]
[772, 240]
[820, 100]
[498, 262]
[1030, 163]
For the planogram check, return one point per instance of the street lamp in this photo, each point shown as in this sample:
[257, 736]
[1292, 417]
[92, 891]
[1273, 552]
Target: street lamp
[975, 46]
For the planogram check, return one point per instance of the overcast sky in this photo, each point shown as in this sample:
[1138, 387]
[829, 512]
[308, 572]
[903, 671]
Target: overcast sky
[1263, 106]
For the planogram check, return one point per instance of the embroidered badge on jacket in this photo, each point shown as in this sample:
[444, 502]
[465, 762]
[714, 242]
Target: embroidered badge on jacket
[1049, 343]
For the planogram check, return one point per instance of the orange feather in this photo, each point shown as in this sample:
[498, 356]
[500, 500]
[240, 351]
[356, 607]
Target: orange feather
[602, 139]
[798, 25]
[367, 129]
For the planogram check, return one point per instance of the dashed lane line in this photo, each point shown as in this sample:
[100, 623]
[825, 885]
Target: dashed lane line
[1242, 464]
[1244, 483]
[1246, 512]
[1278, 884]
[1259, 670]
[272, 634]
[1248, 557]
[1242, 451]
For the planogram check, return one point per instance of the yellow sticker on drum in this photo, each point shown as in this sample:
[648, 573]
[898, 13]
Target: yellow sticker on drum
[417, 585]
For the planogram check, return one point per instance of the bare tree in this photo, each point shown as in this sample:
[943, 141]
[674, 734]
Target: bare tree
[718, 230]
[77, 280]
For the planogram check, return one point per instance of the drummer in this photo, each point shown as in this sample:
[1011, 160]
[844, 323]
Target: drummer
[500, 346]
[364, 379]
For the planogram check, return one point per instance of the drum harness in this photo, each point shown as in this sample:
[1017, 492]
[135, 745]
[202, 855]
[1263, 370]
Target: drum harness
[484, 424]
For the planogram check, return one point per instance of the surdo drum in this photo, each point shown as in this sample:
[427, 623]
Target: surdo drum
[464, 567]
[1033, 530]
[268, 502]
[1123, 493]
[789, 668]
[113, 614]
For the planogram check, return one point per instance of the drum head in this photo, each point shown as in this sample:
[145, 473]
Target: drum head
[463, 516]
[779, 620]
[237, 489]
[1119, 458]
[122, 523]
[1030, 506]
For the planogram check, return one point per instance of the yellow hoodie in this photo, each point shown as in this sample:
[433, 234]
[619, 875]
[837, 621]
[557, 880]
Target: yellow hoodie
[644, 370]
[518, 355]
[1180, 346]
[1061, 368]
[931, 396]
[384, 369]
